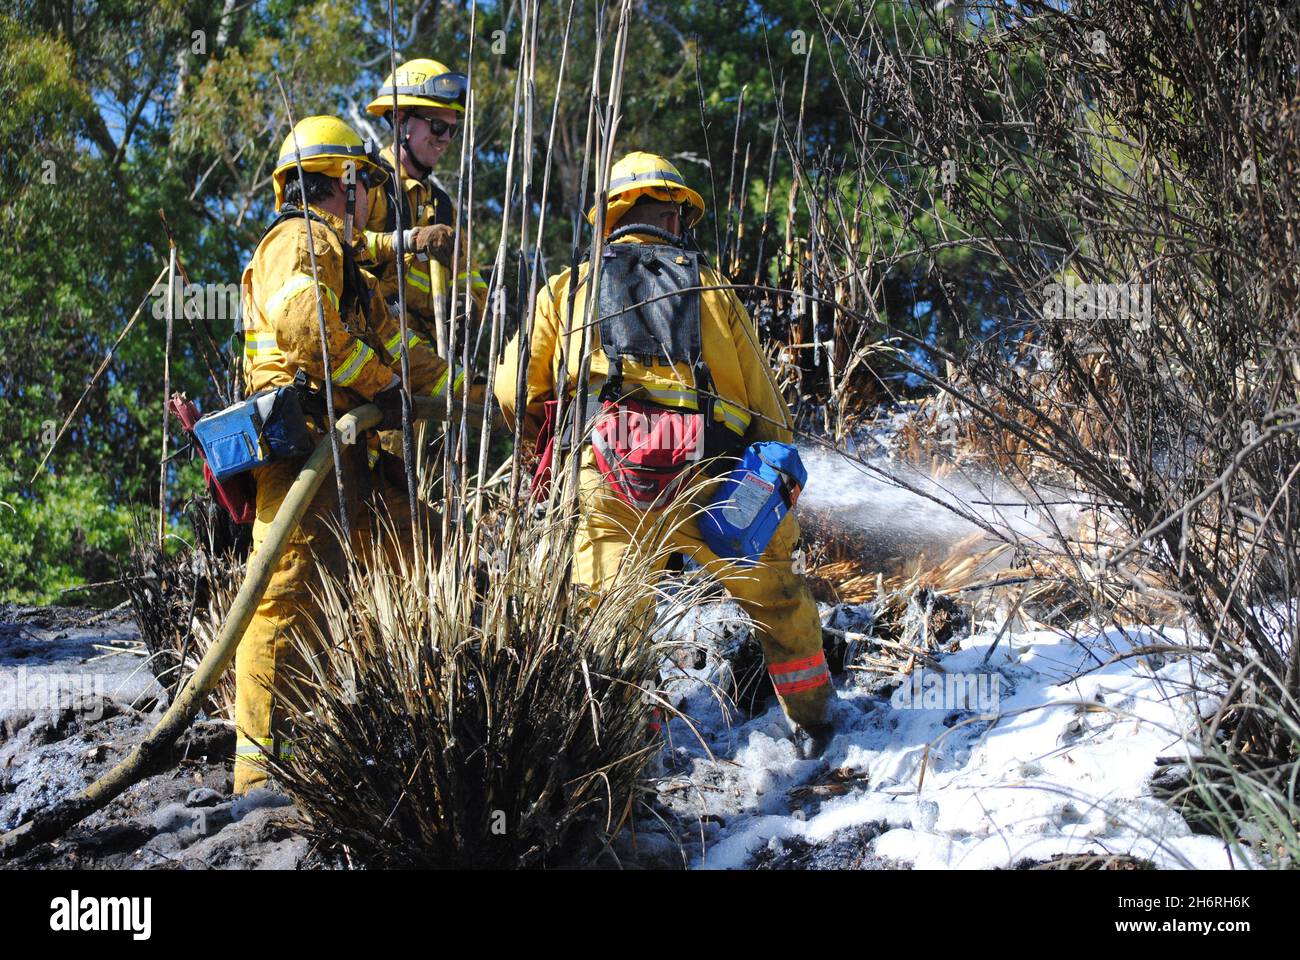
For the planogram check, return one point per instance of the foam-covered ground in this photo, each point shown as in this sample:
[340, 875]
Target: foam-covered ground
[1050, 753]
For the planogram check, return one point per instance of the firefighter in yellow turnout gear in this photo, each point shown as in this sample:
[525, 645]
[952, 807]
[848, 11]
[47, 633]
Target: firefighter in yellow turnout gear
[430, 106]
[282, 337]
[647, 189]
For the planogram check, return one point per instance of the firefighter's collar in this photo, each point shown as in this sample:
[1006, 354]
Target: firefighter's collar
[639, 238]
[408, 182]
[336, 223]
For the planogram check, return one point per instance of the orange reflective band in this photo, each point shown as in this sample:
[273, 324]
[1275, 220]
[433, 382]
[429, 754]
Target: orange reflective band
[796, 676]
[785, 689]
[791, 666]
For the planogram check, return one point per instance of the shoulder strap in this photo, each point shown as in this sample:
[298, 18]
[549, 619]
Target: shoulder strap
[288, 212]
[354, 285]
[395, 194]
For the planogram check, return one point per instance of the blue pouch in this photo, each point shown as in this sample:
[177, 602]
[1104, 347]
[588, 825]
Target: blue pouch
[752, 500]
[267, 426]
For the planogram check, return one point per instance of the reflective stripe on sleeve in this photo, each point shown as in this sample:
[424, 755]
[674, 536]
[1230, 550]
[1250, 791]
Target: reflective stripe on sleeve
[441, 383]
[737, 418]
[419, 280]
[796, 676]
[350, 369]
[393, 344]
[294, 286]
[260, 346]
[476, 281]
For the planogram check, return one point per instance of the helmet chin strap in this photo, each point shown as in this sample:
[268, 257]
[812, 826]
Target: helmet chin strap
[408, 155]
[350, 217]
[350, 209]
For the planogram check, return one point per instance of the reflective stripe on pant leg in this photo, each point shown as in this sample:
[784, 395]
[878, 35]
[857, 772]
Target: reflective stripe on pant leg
[265, 662]
[796, 676]
[256, 668]
[248, 750]
[285, 609]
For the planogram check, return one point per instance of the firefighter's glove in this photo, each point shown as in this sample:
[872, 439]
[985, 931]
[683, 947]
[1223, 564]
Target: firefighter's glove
[389, 403]
[439, 242]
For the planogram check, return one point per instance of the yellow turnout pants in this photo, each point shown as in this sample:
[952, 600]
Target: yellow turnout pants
[268, 656]
[775, 597]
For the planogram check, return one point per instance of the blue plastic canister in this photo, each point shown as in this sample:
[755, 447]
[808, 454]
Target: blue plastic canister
[267, 426]
[751, 500]
[232, 439]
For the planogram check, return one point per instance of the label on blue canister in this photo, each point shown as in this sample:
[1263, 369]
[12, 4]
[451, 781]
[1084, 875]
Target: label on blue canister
[747, 500]
[750, 503]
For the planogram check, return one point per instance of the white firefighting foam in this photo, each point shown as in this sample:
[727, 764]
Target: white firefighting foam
[1059, 763]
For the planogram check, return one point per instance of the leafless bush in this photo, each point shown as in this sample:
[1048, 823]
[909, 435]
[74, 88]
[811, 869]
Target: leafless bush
[1129, 168]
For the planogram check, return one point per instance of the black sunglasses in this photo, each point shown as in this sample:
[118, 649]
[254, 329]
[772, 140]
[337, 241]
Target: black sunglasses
[439, 127]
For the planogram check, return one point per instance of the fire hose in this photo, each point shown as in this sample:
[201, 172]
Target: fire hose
[152, 753]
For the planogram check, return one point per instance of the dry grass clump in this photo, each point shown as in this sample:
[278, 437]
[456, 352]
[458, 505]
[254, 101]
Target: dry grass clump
[487, 715]
[1049, 582]
[965, 425]
[180, 598]
[922, 612]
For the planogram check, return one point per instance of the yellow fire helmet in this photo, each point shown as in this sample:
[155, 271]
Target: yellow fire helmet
[646, 173]
[325, 145]
[421, 83]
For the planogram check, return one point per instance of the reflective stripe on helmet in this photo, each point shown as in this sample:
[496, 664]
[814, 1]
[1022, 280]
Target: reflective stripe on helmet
[650, 175]
[335, 149]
